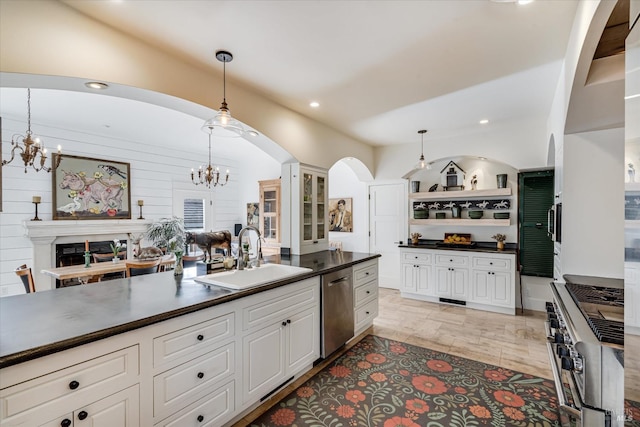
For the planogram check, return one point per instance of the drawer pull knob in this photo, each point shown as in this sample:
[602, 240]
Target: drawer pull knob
[490, 263]
[200, 337]
[284, 323]
[65, 423]
[288, 320]
[200, 418]
[367, 312]
[368, 292]
[201, 375]
[366, 274]
[74, 385]
[82, 415]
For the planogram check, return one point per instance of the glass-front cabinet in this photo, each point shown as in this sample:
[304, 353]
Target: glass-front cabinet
[270, 214]
[314, 210]
[309, 226]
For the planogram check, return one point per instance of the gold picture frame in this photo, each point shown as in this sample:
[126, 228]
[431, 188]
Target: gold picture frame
[341, 215]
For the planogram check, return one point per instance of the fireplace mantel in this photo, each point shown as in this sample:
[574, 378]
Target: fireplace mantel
[46, 234]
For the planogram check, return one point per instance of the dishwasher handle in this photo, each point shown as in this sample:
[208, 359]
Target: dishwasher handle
[339, 281]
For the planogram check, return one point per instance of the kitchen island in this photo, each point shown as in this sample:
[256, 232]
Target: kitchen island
[162, 347]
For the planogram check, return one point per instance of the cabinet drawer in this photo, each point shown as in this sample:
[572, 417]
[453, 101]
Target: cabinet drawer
[72, 385]
[192, 341]
[452, 260]
[364, 293]
[488, 263]
[275, 305]
[174, 389]
[363, 273]
[211, 411]
[416, 257]
[366, 314]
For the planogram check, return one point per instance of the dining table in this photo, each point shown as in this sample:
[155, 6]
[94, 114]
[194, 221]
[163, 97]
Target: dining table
[98, 269]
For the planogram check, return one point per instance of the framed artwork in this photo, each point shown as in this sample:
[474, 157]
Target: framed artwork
[341, 215]
[85, 188]
[253, 214]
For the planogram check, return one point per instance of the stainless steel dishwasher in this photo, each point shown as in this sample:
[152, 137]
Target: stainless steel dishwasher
[337, 310]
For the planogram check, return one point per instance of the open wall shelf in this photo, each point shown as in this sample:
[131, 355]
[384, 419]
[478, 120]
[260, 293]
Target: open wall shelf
[463, 221]
[440, 195]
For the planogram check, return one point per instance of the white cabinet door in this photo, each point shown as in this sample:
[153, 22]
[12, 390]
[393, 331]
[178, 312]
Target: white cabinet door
[443, 282]
[480, 292]
[303, 339]
[424, 282]
[120, 409]
[459, 283]
[408, 278]
[502, 289]
[263, 361]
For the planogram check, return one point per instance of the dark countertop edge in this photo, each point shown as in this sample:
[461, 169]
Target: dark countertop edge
[487, 247]
[45, 350]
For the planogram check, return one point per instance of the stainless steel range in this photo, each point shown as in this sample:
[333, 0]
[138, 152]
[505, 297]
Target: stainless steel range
[585, 331]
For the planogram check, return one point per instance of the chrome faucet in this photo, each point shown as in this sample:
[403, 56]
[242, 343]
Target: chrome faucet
[241, 264]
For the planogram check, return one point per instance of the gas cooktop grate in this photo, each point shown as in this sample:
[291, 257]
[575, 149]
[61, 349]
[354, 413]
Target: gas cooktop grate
[607, 330]
[596, 295]
[588, 298]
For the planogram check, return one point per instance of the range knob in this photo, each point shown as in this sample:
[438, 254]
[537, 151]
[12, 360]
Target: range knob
[549, 306]
[554, 323]
[562, 351]
[558, 338]
[567, 363]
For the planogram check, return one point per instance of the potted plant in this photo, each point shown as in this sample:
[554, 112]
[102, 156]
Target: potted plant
[116, 247]
[420, 211]
[500, 238]
[169, 233]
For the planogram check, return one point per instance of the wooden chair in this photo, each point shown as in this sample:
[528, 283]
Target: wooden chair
[25, 275]
[138, 268]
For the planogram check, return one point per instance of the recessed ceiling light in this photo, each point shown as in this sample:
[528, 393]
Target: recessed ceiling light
[484, 121]
[482, 158]
[253, 133]
[96, 85]
[314, 104]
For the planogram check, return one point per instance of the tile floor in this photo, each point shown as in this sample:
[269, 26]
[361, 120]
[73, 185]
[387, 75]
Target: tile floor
[515, 342]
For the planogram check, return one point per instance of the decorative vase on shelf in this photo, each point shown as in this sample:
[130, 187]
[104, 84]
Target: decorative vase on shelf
[500, 245]
[501, 180]
[178, 269]
[115, 259]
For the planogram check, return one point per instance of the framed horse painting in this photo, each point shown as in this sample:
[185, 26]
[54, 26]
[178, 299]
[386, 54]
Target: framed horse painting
[85, 188]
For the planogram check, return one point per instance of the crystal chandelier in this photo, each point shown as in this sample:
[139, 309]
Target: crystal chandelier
[32, 150]
[209, 175]
[222, 124]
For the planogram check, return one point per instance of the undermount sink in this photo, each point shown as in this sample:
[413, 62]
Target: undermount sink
[248, 278]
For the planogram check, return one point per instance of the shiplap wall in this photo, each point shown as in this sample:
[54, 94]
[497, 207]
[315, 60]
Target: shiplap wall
[156, 173]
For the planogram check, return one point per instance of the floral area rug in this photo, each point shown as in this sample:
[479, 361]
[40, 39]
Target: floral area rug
[385, 383]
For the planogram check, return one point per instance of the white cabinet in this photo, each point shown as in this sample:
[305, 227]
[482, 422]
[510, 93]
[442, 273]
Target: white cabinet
[452, 275]
[67, 390]
[482, 280]
[365, 295]
[632, 293]
[417, 275]
[306, 209]
[282, 336]
[120, 409]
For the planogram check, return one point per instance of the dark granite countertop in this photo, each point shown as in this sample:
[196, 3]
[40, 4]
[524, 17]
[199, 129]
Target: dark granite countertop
[490, 247]
[41, 323]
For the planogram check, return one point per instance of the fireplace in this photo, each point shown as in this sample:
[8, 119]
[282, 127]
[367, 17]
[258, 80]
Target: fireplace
[47, 235]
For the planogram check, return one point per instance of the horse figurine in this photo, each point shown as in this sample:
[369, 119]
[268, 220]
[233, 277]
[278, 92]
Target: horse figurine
[207, 240]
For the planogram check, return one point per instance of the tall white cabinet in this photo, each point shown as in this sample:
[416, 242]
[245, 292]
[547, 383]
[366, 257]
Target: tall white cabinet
[304, 209]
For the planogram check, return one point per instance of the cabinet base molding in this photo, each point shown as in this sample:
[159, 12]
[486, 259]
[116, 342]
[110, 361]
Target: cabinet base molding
[467, 304]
